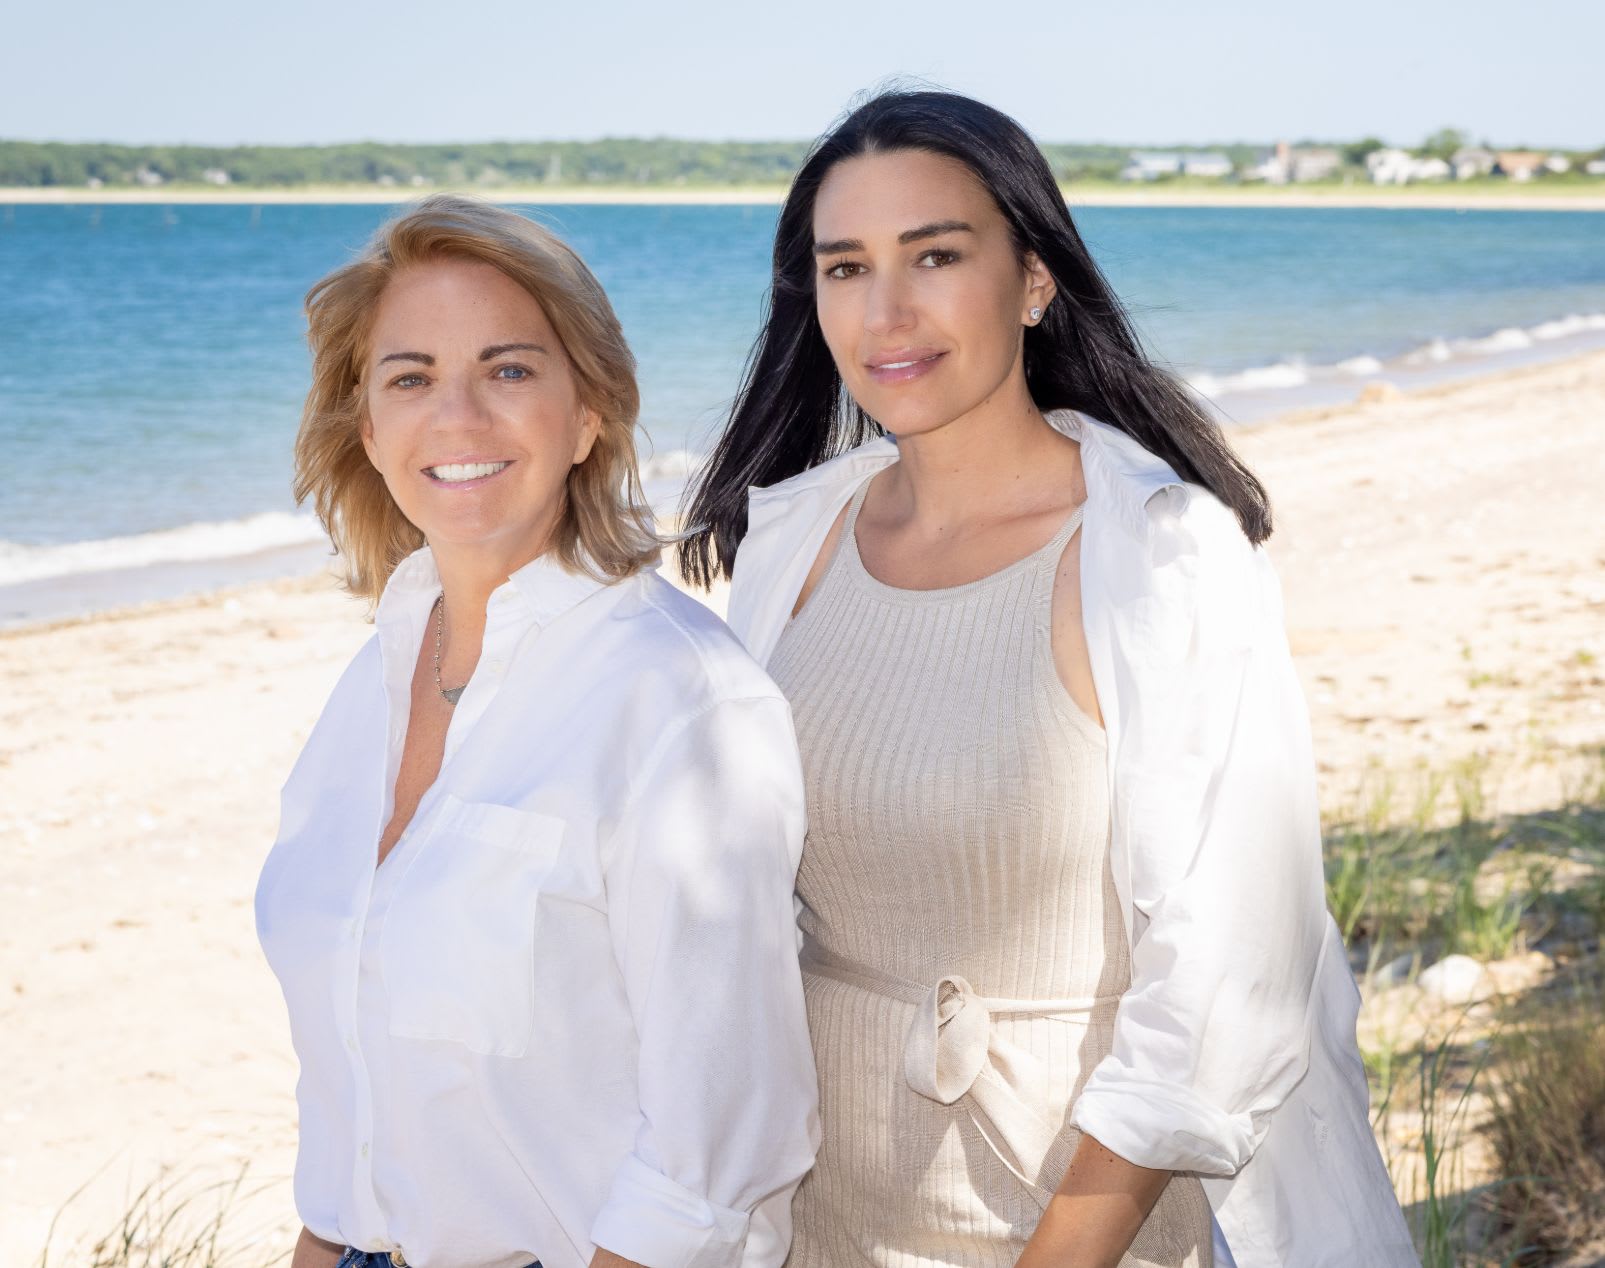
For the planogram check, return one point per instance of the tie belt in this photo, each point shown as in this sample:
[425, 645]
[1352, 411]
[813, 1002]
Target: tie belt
[954, 1055]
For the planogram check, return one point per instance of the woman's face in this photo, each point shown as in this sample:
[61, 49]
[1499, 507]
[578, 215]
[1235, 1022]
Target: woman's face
[474, 413]
[921, 295]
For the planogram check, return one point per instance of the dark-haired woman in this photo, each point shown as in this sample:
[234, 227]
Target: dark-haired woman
[1074, 995]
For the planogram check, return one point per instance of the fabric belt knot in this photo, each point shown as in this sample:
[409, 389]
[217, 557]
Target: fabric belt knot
[953, 1054]
[946, 1048]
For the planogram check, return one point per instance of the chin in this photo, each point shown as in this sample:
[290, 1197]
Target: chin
[905, 419]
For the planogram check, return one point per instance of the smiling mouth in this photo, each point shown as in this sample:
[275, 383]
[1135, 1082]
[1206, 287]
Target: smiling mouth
[461, 472]
[904, 369]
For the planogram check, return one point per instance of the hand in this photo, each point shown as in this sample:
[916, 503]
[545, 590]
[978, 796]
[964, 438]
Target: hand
[607, 1259]
[312, 1251]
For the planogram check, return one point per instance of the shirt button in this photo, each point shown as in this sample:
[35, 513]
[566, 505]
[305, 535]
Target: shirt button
[351, 1042]
[364, 1149]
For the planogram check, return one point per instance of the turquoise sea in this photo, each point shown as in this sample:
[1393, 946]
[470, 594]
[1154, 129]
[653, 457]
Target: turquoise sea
[153, 360]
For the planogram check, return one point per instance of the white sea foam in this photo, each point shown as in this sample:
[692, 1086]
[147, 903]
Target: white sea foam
[1571, 324]
[1262, 378]
[1434, 353]
[1360, 366]
[191, 543]
[1507, 340]
[1293, 374]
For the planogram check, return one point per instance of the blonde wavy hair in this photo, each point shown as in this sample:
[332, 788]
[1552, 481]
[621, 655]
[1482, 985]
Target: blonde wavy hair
[605, 529]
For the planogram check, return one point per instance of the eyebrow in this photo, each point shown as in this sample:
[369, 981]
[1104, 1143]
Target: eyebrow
[496, 350]
[489, 354]
[933, 230]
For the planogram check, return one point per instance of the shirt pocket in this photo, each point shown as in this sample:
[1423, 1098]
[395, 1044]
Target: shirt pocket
[457, 951]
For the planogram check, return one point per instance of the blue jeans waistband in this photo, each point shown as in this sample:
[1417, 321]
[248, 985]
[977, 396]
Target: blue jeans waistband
[354, 1258]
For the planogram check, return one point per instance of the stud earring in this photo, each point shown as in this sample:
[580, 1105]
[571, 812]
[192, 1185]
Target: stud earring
[1036, 314]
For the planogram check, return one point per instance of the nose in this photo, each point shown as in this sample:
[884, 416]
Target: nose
[460, 407]
[886, 308]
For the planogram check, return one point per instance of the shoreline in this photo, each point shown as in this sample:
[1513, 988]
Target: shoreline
[1429, 198]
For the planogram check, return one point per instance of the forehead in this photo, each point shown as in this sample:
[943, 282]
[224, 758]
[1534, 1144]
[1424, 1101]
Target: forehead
[454, 300]
[886, 193]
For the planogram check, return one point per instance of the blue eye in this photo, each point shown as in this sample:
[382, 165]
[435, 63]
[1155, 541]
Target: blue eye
[407, 380]
[511, 373]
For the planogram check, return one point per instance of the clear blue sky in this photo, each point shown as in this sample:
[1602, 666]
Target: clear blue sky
[1125, 71]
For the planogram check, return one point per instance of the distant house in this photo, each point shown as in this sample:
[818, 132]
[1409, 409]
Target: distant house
[1399, 167]
[1518, 165]
[1274, 167]
[1470, 161]
[1212, 164]
[1595, 167]
[1147, 167]
[1557, 163]
[1315, 163]
[1286, 163]
[215, 176]
[146, 176]
[1389, 166]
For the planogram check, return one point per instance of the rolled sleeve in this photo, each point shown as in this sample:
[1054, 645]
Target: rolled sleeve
[699, 881]
[650, 1219]
[1215, 803]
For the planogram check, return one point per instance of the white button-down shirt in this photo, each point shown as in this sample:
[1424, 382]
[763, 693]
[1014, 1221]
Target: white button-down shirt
[1234, 1053]
[565, 1012]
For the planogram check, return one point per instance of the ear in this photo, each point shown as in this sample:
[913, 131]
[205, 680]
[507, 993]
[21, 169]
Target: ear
[590, 429]
[1039, 288]
[365, 430]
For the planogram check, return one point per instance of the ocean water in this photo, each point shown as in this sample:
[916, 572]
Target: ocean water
[152, 360]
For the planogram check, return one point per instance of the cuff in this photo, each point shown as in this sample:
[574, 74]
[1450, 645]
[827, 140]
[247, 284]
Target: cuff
[651, 1220]
[1163, 1126]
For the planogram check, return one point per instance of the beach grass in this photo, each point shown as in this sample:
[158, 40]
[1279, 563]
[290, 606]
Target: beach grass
[174, 1221]
[1490, 1111]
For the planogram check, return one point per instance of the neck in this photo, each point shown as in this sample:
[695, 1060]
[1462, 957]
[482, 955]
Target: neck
[984, 462]
[466, 582]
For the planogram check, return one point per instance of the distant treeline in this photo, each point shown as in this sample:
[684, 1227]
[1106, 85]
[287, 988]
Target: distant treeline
[610, 162]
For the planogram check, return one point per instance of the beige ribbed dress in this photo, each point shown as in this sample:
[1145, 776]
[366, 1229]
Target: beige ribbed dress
[963, 943]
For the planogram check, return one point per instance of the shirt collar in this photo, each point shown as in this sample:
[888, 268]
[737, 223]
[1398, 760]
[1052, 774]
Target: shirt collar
[543, 588]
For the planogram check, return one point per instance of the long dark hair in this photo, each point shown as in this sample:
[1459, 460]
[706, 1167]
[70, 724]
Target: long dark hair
[792, 412]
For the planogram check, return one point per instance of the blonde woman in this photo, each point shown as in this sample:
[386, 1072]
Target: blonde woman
[531, 899]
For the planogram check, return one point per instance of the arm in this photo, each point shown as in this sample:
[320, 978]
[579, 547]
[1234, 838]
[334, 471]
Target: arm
[311, 1251]
[699, 873]
[1091, 1221]
[606, 1259]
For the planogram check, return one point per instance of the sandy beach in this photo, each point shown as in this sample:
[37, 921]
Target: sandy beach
[1443, 559]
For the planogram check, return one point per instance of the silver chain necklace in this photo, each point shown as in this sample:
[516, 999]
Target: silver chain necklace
[450, 694]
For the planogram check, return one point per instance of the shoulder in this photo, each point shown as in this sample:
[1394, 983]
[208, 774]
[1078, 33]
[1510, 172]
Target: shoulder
[685, 648]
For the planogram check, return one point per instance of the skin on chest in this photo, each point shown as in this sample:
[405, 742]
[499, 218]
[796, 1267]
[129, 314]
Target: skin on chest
[428, 719]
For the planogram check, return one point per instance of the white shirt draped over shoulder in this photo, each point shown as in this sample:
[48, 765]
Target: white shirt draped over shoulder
[1234, 1049]
[566, 1010]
